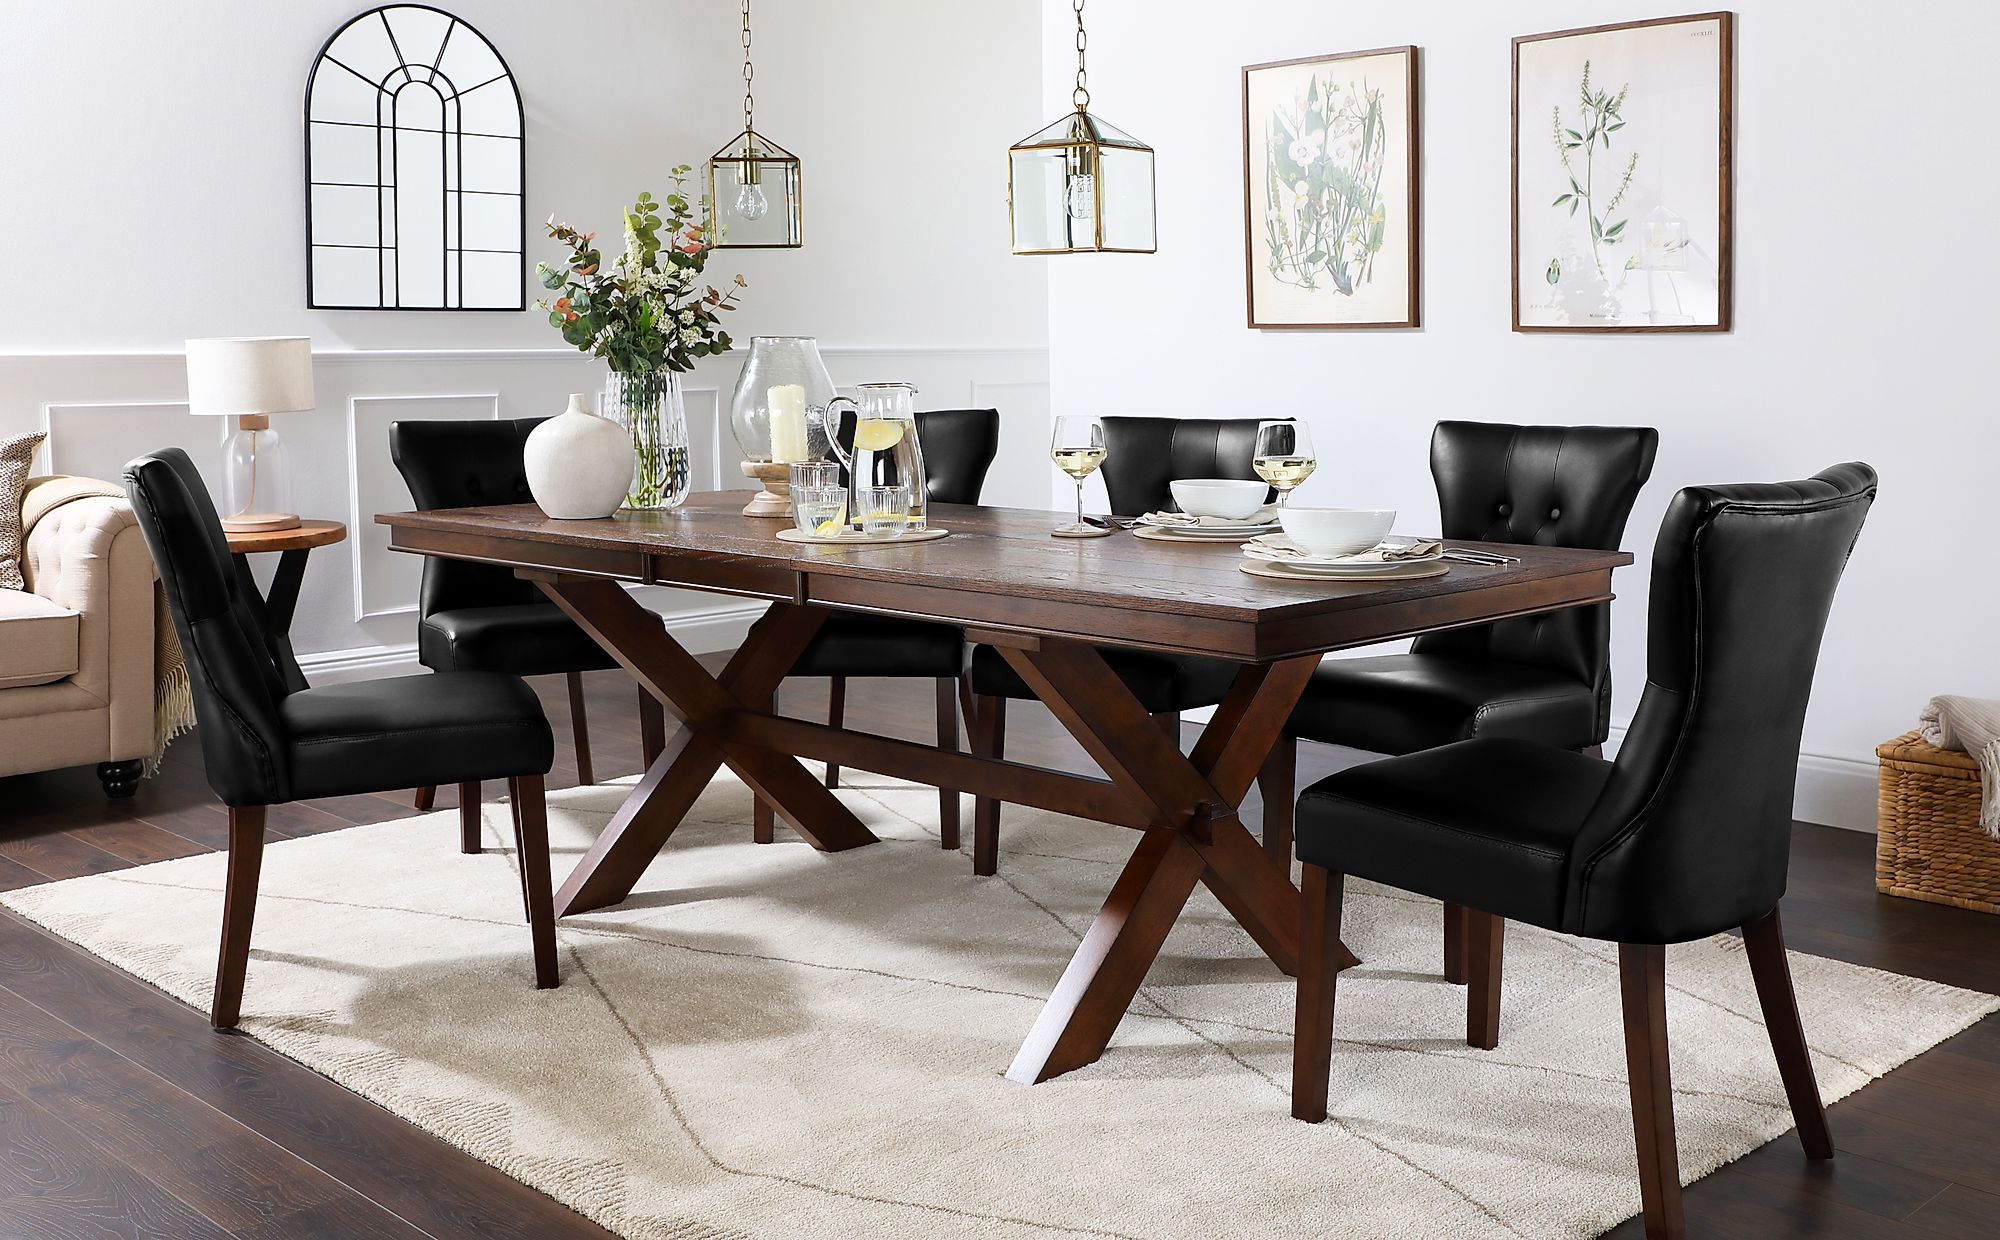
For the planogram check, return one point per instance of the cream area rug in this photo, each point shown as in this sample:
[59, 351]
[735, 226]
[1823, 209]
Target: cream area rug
[774, 1042]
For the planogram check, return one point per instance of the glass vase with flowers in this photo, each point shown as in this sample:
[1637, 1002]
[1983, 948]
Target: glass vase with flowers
[650, 316]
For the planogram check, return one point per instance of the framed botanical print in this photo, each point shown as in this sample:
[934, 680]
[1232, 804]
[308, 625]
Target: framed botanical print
[1622, 170]
[1330, 190]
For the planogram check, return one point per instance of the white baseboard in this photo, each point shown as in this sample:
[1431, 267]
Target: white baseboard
[706, 631]
[1833, 792]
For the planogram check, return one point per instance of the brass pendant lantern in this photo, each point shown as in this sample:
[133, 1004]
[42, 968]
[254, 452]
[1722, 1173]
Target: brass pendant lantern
[753, 183]
[1081, 186]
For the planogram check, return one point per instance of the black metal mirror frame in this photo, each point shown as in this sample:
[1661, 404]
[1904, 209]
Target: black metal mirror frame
[388, 292]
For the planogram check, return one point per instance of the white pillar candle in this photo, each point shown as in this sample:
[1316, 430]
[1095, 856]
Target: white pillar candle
[787, 403]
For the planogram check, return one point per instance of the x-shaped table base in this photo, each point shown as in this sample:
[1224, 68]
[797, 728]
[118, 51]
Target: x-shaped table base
[1184, 805]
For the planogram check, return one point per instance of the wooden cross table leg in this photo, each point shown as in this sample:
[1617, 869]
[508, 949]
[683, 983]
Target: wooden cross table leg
[707, 707]
[1195, 836]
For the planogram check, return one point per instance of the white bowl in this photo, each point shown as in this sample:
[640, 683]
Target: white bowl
[1337, 531]
[1232, 499]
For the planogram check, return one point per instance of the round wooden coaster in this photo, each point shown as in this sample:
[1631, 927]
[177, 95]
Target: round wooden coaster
[862, 540]
[1260, 568]
[1090, 532]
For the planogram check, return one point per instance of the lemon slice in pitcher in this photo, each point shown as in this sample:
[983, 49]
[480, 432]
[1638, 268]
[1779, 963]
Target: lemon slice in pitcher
[877, 434]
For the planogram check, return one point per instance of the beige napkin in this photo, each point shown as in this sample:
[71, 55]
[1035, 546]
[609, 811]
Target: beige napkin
[1263, 516]
[1282, 547]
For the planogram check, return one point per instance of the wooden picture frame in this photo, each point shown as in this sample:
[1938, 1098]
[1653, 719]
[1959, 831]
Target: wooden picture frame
[1658, 254]
[1365, 142]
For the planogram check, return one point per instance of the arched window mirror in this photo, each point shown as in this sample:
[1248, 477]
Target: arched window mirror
[415, 159]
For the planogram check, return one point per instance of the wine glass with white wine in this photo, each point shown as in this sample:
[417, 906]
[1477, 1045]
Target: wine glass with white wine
[1284, 455]
[1078, 449]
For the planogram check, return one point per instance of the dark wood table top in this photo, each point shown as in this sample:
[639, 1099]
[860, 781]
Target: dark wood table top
[1001, 571]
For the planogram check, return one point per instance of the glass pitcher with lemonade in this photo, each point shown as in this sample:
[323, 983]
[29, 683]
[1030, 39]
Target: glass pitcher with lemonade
[886, 452]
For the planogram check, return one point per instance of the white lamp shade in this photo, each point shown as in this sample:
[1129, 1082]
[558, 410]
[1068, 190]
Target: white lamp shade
[249, 375]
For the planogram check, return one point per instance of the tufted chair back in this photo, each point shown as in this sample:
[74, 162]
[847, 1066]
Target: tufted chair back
[465, 464]
[1142, 455]
[1692, 835]
[239, 680]
[1551, 486]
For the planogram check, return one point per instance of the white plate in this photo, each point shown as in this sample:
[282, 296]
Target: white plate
[1285, 572]
[1168, 533]
[851, 539]
[1233, 527]
[1334, 564]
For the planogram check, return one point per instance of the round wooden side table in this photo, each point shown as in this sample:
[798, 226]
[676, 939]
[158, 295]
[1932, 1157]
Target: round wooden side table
[292, 546]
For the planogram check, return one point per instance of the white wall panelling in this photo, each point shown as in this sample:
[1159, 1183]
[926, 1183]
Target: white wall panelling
[386, 584]
[355, 610]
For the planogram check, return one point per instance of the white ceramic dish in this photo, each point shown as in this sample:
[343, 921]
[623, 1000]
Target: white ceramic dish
[1337, 531]
[1208, 533]
[1233, 499]
[1285, 573]
[1334, 566]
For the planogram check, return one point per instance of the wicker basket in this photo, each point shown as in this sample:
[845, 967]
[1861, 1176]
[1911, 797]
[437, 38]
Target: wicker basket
[1929, 844]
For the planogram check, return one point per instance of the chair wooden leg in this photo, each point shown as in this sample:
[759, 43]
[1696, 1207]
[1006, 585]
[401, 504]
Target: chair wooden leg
[580, 728]
[989, 740]
[468, 818]
[532, 844]
[652, 727]
[947, 734]
[1455, 970]
[763, 820]
[1485, 936]
[1320, 957]
[1642, 980]
[836, 712]
[1277, 783]
[426, 797]
[521, 870]
[967, 708]
[1764, 943]
[239, 908]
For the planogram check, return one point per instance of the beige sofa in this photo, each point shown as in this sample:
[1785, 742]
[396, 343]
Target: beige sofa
[76, 647]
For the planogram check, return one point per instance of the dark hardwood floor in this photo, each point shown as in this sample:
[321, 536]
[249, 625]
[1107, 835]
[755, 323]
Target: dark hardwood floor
[122, 1114]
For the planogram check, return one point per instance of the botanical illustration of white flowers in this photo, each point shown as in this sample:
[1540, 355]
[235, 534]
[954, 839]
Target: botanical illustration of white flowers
[1324, 153]
[1599, 115]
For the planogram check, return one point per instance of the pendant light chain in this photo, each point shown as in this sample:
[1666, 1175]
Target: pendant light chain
[749, 100]
[1080, 96]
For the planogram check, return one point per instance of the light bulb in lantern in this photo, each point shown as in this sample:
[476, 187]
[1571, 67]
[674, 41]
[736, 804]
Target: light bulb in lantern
[1082, 196]
[750, 201]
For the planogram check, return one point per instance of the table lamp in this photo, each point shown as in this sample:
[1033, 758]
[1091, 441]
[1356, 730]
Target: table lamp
[250, 379]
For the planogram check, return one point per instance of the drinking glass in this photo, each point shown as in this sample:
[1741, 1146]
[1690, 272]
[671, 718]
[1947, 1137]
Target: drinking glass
[885, 511]
[820, 511]
[1284, 455]
[1078, 449]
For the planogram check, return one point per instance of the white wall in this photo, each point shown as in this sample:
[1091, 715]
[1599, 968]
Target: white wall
[150, 191]
[1864, 312]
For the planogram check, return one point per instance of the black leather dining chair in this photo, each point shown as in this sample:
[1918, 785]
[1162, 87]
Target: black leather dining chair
[1686, 835]
[265, 743]
[1543, 678]
[958, 446]
[1142, 457]
[479, 618]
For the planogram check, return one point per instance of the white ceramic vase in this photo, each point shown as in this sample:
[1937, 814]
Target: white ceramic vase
[579, 465]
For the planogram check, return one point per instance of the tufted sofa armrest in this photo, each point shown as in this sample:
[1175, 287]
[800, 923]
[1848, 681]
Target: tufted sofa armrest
[87, 555]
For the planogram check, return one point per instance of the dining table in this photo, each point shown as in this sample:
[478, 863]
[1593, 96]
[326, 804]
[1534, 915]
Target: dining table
[1047, 605]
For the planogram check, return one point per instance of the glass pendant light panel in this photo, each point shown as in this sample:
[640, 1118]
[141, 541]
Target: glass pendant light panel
[1125, 188]
[1042, 191]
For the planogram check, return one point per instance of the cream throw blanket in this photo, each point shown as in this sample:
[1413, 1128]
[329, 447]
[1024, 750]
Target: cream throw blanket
[1971, 725]
[173, 692]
